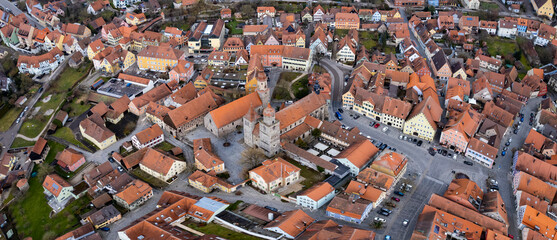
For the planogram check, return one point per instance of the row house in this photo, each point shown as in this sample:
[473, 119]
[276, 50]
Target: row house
[148, 138]
[160, 59]
[422, 121]
[369, 15]
[489, 26]
[41, 64]
[469, 23]
[441, 67]
[507, 28]
[409, 3]
[488, 63]
[546, 34]
[347, 21]
[460, 128]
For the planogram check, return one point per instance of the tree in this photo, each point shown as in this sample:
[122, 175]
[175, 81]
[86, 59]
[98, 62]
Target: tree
[246, 10]
[252, 157]
[316, 132]
[301, 143]
[44, 169]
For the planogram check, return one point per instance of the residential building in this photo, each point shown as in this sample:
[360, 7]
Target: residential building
[357, 156]
[94, 130]
[461, 126]
[158, 58]
[70, 159]
[395, 112]
[274, 174]
[507, 28]
[161, 166]
[409, 3]
[56, 187]
[149, 137]
[39, 151]
[441, 66]
[316, 196]
[182, 72]
[349, 208]
[135, 18]
[104, 217]
[347, 21]
[287, 57]
[207, 182]
[465, 192]
[472, 4]
[422, 121]
[290, 224]
[391, 163]
[134, 195]
[206, 37]
[346, 50]
[481, 152]
[205, 158]
[266, 11]
[373, 195]
[489, 26]
[41, 64]
[543, 8]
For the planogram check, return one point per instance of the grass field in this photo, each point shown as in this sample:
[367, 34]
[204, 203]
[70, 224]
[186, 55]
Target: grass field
[232, 27]
[288, 76]
[300, 88]
[215, 229]
[311, 176]
[77, 108]
[488, 6]
[54, 149]
[67, 134]
[20, 142]
[31, 214]
[164, 146]
[57, 92]
[155, 182]
[498, 46]
[8, 117]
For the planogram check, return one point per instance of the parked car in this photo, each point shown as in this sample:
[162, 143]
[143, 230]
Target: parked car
[386, 214]
[395, 199]
[388, 237]
[271, 208]
[431, 151]
[340, 110]
[120, 169]
[385, 129]
[468, 163]
[378, 219]
[356, 116]
[106, 229]
[419, 143]
[110, 159]
[405, 222]
[376, 125]
[399, 193]
[386, 210]
[515, 131]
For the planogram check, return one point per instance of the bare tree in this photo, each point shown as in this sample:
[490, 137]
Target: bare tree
[252, 157]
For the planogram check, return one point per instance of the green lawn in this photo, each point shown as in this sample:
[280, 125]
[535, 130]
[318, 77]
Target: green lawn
[58, 90]
[369, 43]
[32, 127]
[54, 149]
[232, 27]
[164, 146]
[155, 182]
[67, 134]
[341, 32]
[502, 47]
[31, 214]
[300, 88]
[67, 175]
[215, 229]
[9, 116]
[318, 69]
[77, 108]
[311, 177]
[69, 77]
[288, 76]
[488, 6]
[20, 142]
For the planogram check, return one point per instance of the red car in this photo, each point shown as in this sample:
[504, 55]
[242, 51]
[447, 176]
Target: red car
[511, 236]
[376, 125]
[395, 199]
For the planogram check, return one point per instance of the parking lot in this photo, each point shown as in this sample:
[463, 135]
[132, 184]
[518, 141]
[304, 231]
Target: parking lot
[428, 174]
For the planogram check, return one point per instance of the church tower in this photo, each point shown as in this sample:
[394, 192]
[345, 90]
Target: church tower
[269, 132]
[262, 89]
[249, 120]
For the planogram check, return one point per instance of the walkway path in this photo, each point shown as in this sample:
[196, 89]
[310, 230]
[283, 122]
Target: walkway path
[292, 82]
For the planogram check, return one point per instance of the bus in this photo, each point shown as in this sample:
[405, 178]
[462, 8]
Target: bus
[338, 115]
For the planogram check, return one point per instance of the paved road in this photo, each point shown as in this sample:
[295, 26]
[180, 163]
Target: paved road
[16, 11]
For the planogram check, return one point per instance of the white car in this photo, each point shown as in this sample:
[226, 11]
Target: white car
[378, 219]
[385, 129]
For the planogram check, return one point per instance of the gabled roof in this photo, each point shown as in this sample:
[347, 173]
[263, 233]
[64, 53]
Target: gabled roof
[134, 191]
[54, 184]
[277, 168]
[68, 157]
[157, 161]
[234, 110]
[300, 109]
[350, 206]
[359, 153]
[149, 134]
[431, 110]
[318, 191]
[535, 186]
[293, 222]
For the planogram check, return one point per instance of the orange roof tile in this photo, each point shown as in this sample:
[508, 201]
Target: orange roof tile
[318, 191]
[235, 110]
[149, 134]
[69, 157]
[535, 186]
[293, 222]
[157, 161]
[54, 184]
[366, 192]
[360, 153]
[277, 168]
